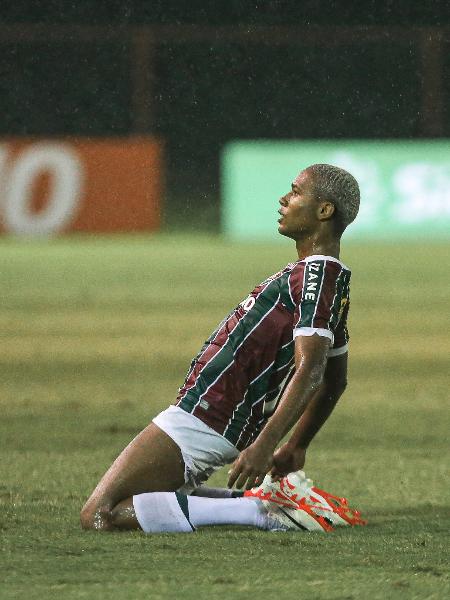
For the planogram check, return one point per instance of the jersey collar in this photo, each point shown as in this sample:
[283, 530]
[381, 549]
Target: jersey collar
[323, 257]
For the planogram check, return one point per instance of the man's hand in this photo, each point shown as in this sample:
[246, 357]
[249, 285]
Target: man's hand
[250, 468]
[287, 459]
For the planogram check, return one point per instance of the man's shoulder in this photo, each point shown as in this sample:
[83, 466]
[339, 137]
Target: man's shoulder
[282, 273]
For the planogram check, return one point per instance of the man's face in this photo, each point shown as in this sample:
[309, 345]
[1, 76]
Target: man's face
[298, 209]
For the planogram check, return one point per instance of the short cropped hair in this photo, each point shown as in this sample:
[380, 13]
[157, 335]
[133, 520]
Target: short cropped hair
[339, 187]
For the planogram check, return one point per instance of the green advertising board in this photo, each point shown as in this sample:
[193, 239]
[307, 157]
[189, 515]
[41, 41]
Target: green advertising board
[405, 185]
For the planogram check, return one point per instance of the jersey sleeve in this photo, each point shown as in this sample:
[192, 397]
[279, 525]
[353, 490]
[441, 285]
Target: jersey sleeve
[341, 336]
[322, 301]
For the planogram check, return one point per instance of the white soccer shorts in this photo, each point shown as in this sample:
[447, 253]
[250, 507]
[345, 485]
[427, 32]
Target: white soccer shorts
[203, 449]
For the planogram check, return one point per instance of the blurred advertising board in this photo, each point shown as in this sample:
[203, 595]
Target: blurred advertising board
[405, 185]
[51, 186]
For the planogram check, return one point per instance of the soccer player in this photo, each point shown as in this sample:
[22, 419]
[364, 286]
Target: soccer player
[277, 362]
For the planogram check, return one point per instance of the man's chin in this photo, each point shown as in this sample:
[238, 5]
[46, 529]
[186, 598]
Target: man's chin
[283, 231]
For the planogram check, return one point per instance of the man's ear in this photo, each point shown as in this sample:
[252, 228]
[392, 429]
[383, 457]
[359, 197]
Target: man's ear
[326, 210]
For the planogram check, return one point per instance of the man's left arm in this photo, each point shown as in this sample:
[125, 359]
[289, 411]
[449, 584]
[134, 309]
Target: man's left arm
[291, 456]
[257, 460]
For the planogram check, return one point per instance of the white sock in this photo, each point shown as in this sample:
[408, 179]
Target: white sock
[172, 512]
[159, 512]
[225, 511]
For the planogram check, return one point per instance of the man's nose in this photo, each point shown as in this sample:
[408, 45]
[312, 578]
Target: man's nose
[283, 200]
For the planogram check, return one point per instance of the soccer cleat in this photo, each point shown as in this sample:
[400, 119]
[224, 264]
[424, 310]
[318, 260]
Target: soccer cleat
[337, 509]
[287, 492]
[296, 491]
[283, 492]
[281, 518]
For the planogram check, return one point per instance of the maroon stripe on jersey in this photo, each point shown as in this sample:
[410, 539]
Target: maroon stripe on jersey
[326, 295]
[241, 355]
[225, 331]
[252, 434]
[341, 336]
[278, 319]
[296, 282]
[252, 382]
[212, 348]
[278, 376]
[229, 389]
[215, 345]
[255, 416]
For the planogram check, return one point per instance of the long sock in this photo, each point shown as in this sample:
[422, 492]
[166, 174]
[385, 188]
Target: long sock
[227, 511]
[159, 512]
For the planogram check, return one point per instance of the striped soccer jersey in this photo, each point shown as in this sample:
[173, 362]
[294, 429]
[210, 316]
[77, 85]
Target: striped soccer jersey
[235, 382]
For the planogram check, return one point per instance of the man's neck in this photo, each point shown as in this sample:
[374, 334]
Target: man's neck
[313, 247]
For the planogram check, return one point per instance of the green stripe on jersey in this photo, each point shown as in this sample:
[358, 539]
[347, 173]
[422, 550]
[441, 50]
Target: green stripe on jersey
[341, 284]
[284, 291]
[255, 392]
[312, 285]
[218, 364]
[265, 302]
[243, 411]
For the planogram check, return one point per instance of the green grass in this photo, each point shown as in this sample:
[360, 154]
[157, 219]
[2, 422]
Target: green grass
[97, 335]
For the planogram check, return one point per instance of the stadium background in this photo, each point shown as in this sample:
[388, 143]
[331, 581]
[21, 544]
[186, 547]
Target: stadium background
[97, 330]
[223, 72]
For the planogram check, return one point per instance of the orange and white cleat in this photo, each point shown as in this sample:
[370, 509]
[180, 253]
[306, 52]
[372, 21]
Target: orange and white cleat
[339, 512]
[287, 501]
[295, 491]
[282, 518]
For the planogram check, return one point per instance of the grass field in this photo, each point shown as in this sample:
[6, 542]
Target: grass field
[96, 337]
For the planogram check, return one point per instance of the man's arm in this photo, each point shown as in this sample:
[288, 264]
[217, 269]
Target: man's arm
[291, 456]
[310, 360]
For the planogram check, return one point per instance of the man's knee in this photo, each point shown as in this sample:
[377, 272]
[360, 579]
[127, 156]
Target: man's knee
[123, 515]
[96, 517]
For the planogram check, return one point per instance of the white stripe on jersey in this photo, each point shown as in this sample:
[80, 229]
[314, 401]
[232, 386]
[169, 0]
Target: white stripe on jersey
[323, 257]
[335, 294]
[234, 353]
[301, 297]
[270, 406]
[245, 396]
[319, 292]
[283, 381]
[197, 359]
[285, 365]
[247, 420]
[289, 289]
[287, 344]
[214, 356]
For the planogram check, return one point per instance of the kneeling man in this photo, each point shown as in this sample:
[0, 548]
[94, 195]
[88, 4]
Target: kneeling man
[277, 362]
